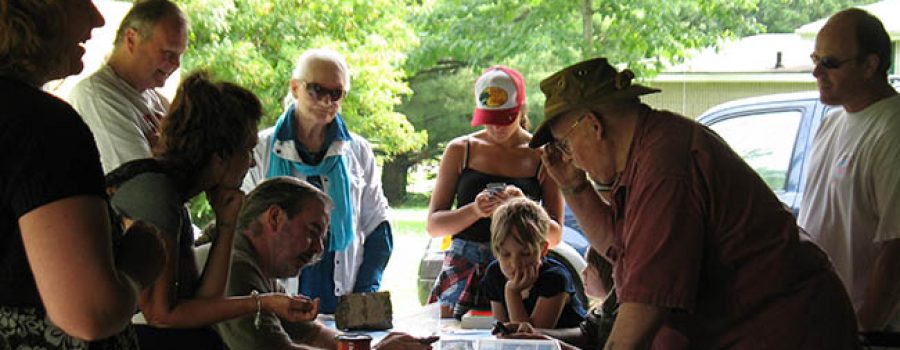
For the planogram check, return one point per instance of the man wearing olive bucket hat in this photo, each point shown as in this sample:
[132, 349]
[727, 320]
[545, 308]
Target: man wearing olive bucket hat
[704, 255]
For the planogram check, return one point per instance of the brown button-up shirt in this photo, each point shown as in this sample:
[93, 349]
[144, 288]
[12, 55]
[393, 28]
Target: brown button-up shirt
[698, 232]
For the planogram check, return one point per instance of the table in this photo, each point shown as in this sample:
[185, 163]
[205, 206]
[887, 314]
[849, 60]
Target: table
[423, 323]
[427, 322]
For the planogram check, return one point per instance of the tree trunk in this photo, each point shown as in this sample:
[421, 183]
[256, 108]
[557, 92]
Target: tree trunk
[587, 25]
[394, 179]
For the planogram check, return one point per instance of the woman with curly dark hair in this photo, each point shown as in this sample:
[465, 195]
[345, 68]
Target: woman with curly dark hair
[61, 286]
[205, 148]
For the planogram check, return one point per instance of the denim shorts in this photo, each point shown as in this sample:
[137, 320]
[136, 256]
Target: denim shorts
[460, 262]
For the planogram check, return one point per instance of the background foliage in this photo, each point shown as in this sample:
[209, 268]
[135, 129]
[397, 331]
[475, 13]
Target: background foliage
[414, 61]
[256, 42]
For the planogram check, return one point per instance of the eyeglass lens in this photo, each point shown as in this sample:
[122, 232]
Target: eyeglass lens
[316, 91]
[829, 62]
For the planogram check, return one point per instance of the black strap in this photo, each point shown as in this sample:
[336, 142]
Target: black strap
[466, 155]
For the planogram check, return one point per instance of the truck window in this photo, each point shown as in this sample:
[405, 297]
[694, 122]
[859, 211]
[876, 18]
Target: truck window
[764, 140]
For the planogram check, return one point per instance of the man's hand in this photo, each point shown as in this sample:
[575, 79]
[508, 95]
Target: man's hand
[561, 169]
[297, 308]
[402, 341]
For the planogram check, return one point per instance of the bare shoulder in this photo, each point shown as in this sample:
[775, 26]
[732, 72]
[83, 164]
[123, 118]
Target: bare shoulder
[457, 146]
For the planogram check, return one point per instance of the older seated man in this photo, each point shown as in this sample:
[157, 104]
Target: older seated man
[283, 224]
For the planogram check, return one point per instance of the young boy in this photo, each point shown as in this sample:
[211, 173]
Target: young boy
[593, 332]
[523, 284]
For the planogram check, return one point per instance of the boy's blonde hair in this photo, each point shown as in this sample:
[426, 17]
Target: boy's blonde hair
[528, 218]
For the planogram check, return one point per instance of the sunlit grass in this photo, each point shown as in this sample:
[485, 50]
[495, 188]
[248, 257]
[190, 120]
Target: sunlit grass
[400, 277]
[408, 221]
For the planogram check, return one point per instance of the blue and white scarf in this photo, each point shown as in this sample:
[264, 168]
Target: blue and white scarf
[333, 167]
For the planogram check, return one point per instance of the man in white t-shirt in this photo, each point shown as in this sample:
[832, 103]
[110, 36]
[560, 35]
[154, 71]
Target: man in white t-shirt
[118, 102]
[851, 203]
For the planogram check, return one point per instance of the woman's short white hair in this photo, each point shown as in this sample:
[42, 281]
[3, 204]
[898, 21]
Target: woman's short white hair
[319, 54]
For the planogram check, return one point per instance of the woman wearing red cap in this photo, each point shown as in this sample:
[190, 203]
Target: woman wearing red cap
[478, 172]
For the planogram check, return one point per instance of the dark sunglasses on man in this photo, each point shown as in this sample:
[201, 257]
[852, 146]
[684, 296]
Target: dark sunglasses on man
[829, 62]
[317, 91]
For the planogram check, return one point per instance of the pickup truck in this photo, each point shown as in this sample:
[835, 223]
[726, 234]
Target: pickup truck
[774, 134]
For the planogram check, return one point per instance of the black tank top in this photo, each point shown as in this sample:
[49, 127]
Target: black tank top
[471, 182]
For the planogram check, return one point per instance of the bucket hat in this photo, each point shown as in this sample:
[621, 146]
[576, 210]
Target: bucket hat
[584, 84]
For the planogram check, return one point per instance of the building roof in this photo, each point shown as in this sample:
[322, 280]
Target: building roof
[763, 57]
[755, 58]
[886, 11]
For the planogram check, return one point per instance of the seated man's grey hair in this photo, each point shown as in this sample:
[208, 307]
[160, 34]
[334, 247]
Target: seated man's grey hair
[288, 193]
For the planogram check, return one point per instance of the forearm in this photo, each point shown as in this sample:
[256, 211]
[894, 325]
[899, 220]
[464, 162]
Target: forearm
[225, 202]
[635, 327]
[322, 337]
[592, 214]
[554, 205]
[70, 254]
[193, 313]
[451, 221]
[376, 254]
[106, 314]
[110, 309]
[573, 336]
[883, 292]
[303, 347]
[218, 265]
[515, 307]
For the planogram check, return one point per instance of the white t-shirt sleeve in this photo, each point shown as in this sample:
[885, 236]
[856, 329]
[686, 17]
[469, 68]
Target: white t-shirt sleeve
[118, 137]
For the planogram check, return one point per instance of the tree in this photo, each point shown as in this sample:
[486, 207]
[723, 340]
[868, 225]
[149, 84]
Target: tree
[537, 37]
[255, 43]
[784, 16]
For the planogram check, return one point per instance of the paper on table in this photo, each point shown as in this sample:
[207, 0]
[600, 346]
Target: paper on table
[424, 322]
[498, 344]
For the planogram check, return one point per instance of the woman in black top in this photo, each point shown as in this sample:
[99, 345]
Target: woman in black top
[498, 156]
[60, 285]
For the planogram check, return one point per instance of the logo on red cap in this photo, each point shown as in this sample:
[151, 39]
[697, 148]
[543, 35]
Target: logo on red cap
[499, 95]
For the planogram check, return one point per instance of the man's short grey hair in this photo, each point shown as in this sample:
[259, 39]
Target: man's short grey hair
[288, 193]
[144, 16]
[318, 54]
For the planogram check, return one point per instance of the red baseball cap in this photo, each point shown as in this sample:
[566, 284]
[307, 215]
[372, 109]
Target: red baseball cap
[499, 95]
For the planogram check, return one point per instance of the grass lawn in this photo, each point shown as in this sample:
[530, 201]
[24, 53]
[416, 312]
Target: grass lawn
[400, 277]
